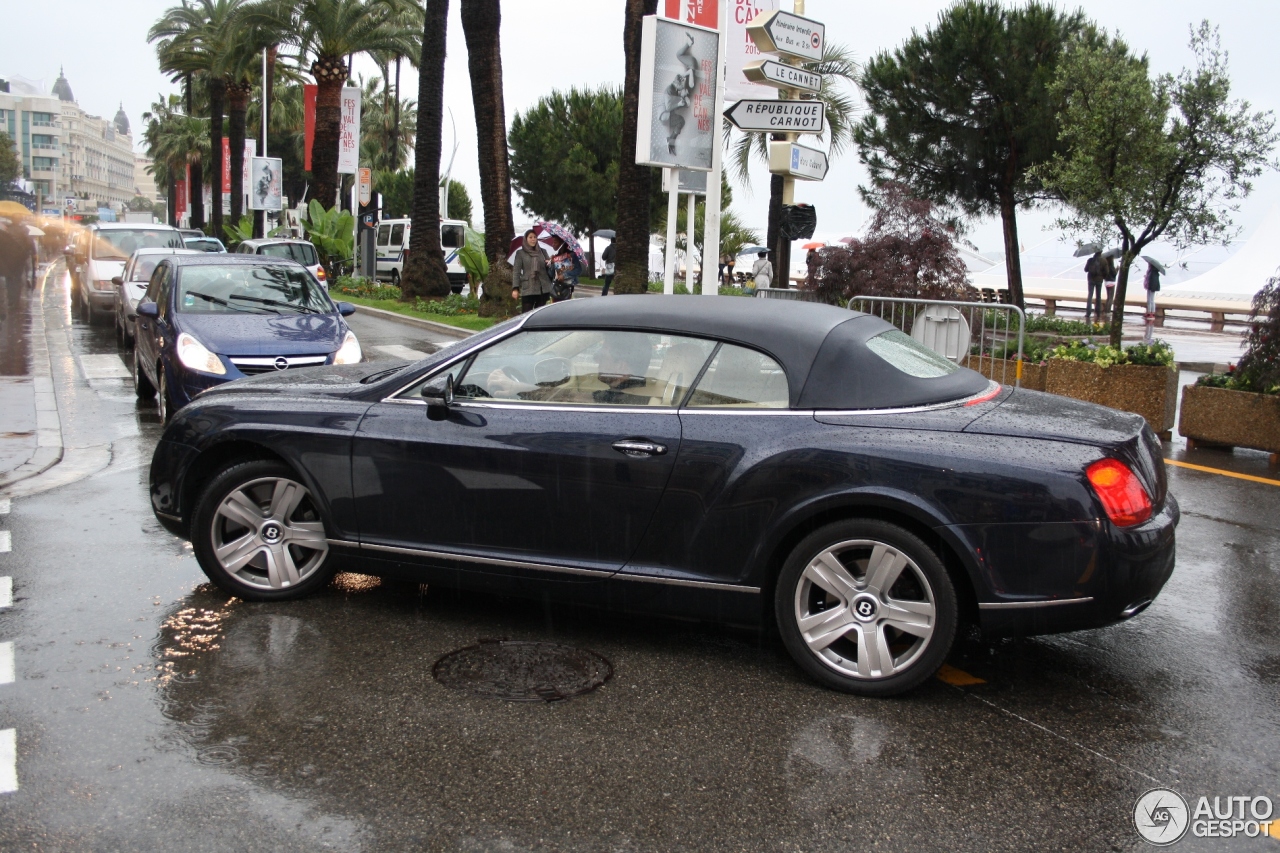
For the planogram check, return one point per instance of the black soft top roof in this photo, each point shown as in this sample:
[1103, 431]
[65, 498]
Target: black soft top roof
[822, 348]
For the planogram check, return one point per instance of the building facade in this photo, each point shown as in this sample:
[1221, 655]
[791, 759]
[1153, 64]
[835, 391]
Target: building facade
[98, 161]
[33, 120]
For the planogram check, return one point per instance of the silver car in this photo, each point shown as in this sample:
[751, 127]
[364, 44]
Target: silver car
[132, 283]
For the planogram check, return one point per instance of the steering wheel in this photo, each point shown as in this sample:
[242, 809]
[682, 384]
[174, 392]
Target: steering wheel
[515, 373]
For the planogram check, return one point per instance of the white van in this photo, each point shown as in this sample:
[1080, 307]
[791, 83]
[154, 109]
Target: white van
[393, 245]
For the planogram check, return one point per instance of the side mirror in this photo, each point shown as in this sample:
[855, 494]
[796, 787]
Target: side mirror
[117, 280]
[346, 309]
[438, 395]
[148, 309]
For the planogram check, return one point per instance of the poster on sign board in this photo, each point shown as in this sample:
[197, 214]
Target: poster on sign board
[264, 188]
[704, 13]
[740, 50]
[349, 131]
[677, 95]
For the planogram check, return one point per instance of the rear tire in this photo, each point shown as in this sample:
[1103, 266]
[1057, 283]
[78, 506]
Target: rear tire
[866, 607]
[258, 534]
[141, 384]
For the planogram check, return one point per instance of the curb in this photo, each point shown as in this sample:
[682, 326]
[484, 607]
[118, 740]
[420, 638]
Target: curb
[451, 331]
[49, 447]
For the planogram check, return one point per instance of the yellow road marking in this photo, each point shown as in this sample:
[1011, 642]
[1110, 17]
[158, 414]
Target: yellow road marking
[1208, 470]
[958, 677]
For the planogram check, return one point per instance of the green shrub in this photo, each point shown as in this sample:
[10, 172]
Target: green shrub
[1158, 354]
[364, 288]
[1060, 326]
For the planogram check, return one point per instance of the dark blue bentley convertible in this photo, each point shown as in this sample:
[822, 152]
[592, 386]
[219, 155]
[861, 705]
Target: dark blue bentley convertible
[729, 459]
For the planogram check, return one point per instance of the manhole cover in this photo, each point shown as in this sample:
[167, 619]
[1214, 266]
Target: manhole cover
[522, 671]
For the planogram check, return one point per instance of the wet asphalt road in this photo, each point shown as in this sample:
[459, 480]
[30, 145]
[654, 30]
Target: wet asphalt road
[152, 713]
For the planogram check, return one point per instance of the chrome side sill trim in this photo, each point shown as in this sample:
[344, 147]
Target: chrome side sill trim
[541, 567]
[1031, 605]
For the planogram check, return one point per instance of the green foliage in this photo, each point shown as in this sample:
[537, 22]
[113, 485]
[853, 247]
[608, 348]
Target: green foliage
[140, 203]
[397, 193]
[10, 163]
[386, 128]
[472, 258]
[1260, 365]
[1145, 160]
[565, 152]
[331, 231]
[1158, 354]
[459, 202]
[681, 290]
[236, 233]
[365, 288]
[1062, 326]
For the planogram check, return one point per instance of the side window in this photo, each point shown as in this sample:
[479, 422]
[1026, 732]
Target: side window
[384, 231]
[743, 379]
[397, 235]
[586, 367]
[451, 236]
[166, 284]
[153, 286]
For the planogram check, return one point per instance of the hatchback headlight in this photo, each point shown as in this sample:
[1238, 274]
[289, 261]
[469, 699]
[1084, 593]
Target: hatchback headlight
[196, 356]
[349, 352]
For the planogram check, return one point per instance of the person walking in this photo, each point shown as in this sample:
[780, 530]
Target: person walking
[729, 261]
[1093, 273]
[531, 284]
[1152, 285]
[762, 272]
[610, 252]
[1109, 273]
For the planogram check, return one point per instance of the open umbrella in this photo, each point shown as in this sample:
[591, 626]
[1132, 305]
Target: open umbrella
[752, 250]
[607, 233]
[570, 242]
[1086, 249]
[13, 210]
[808, 246]
[1112, 253]
[34, 231]
[1160, 268]
[548, 246]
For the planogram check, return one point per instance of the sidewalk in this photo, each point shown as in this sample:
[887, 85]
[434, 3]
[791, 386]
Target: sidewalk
[30, 428]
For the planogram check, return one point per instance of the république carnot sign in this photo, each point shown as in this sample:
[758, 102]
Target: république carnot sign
[778, 116]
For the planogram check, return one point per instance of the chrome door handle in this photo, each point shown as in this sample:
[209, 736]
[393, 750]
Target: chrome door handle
[637, 449]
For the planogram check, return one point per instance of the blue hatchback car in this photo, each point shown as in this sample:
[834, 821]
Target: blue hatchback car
[209, 319]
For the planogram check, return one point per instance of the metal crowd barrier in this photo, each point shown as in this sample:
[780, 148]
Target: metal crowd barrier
[984, 336]
[786, 293]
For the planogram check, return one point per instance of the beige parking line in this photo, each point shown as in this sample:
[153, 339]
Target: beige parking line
[1208, 470]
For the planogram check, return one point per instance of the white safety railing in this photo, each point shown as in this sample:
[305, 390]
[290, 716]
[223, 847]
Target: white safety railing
[984, 336]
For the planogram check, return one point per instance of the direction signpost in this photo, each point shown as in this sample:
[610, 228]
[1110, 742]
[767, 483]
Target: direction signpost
[778, 116]
[789, 35]
[782, 76]
[797, 161]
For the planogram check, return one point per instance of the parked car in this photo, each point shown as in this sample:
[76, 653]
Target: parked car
[131, 284]
[99, 254]
[735, 460]
[392, 244]
[208, 319]
[191, 232]
[298, 251]
[204, 244]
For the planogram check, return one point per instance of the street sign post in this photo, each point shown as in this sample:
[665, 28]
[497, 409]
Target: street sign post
[778, 116]
[788, 35]
[797, 161]
[782, 76]
[366, 185]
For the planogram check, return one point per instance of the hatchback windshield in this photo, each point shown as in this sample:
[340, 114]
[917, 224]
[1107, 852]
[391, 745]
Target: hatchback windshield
[249, 289]
[300, 252]
[120, 243]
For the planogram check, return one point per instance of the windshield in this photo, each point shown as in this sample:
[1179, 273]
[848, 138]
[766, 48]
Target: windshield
[303, 253]
[120, 243]
[249, 289]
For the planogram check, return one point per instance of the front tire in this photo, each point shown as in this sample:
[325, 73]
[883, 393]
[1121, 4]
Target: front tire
[258, 535]
[164, 403]
[141, 384]
[866, 607]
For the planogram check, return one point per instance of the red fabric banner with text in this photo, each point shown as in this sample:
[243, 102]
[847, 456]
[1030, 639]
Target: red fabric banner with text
[309, 92]
[226, 165]
[704, 13]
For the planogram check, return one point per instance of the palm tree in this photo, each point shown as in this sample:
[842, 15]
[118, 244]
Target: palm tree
[174, 141]
[839, 70]
[424, 269]
[328, 33]
[384, 146]
[634, 182]
[481, 23]
[196, 38]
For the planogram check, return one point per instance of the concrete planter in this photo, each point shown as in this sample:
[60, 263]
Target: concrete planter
[1217, 417]
[1147, 391]
[1004, 371]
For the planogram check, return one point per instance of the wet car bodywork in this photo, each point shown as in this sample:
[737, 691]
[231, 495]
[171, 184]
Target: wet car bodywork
[531, 500]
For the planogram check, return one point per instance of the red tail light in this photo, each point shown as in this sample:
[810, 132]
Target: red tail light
[1121, 493]
[320, 274]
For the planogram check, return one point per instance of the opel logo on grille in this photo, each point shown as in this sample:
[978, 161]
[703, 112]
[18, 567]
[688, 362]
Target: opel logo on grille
[282, 363]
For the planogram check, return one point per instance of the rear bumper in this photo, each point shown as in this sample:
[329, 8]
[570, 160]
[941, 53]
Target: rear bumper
[102, 301]
[1071, 577]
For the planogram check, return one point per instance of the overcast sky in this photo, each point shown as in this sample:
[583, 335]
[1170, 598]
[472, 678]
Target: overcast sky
[579, 43]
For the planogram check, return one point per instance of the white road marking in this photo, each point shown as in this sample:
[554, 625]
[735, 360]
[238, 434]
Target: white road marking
[4, 506]
[105, 366]
[8, 760]
[398, 351]
[6, 542]
[6, 663]
[6, 592]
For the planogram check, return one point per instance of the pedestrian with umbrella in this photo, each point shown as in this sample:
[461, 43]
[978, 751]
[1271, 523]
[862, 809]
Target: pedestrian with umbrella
[532, 284]
[1152, 285]
[1093, 271]
[609, 255]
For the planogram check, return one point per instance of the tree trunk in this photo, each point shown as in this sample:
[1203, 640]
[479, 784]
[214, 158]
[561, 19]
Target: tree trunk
[217, 94]
[330, 73]
[1012, 252]
[591, 251]
[268, 92]
[631, 262]
[481, 25]
[424, 270]
[396, 162]
[195, 195]
[237, 108]
[171, 198]
[1130, 252]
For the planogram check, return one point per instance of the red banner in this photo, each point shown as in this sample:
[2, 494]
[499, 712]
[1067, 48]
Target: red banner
[226, 165]
[309, 92]
[704, 13]
[180, 196]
